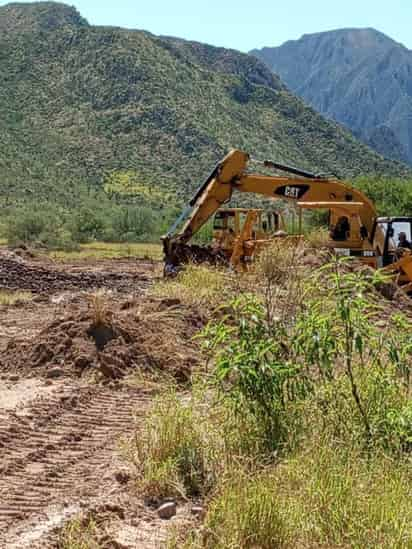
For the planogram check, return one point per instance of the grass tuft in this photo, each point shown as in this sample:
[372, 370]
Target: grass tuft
[197, 286]
[111, 250]
[79, 534]
[8, 297]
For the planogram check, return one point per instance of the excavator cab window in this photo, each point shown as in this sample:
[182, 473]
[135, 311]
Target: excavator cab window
[341, 230]
[402, 234]
[398, 235]
[220, 221]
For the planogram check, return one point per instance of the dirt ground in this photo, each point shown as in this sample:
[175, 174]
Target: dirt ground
[72, 389]
[69, 396]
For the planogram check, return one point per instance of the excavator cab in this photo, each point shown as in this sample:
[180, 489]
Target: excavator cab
[229, 223]
[393, 239]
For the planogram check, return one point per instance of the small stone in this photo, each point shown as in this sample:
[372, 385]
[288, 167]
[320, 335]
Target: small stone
[198, 511]
[48, 382]
[381, 323]
[14, 378]
[54, 372]
[167, 510]
[122, 476]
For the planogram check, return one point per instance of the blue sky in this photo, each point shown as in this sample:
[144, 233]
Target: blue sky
[245, 25]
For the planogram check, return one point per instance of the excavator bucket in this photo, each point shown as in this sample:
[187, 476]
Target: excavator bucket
[178, 254]
[402, 272]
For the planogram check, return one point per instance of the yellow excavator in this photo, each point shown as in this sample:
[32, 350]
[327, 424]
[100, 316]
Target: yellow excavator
[355, 228]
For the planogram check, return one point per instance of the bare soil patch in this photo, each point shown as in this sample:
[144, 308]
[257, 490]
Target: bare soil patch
[58, 456]
[45, 277]
[60, 436]
[146, 334]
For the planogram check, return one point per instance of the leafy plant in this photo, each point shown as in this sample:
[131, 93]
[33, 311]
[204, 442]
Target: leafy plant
[253, 365]
[336, 334]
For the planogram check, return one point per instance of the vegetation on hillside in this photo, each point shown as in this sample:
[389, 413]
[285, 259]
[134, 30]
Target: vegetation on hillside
[391, 196]
[81, 104]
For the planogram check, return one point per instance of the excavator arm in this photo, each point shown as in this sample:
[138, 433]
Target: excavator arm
[307, 190]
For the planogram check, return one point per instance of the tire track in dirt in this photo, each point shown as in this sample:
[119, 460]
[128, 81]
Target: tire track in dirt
[58, 452]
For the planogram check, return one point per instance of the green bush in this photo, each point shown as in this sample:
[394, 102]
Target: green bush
[364, 396]
[254, 367]
[25, 226]
[87, 224]
[390, 196]
[43, 226]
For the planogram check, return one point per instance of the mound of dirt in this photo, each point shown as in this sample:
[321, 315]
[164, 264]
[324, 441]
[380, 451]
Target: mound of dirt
[17, 273]
[150, 335]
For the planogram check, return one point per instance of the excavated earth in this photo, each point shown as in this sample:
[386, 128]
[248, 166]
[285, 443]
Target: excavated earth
[119, 338]
[17, 273]
[70, 393]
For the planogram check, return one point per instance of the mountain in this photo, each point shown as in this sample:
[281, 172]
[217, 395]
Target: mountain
[358, 77]
[79, 102]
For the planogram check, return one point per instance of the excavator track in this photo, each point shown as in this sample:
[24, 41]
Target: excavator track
[55, 451]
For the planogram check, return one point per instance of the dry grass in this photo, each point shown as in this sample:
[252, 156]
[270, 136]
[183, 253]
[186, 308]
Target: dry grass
[198, 286]
[111, 250]
[8, 297]
[279, 278]
[318, 238]
[99, 307]
[79, 534]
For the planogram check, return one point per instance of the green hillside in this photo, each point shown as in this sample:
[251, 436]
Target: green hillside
[79, 102]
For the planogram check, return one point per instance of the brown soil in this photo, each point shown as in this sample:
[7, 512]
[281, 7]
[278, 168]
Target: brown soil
[17, 273]
[146, 334]
[57, 456]
[59, 436]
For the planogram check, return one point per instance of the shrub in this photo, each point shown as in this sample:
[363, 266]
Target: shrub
[253, 366]
[44, 226]
[86, 224]
[25, 226]
[365, 390]
[132, 223]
